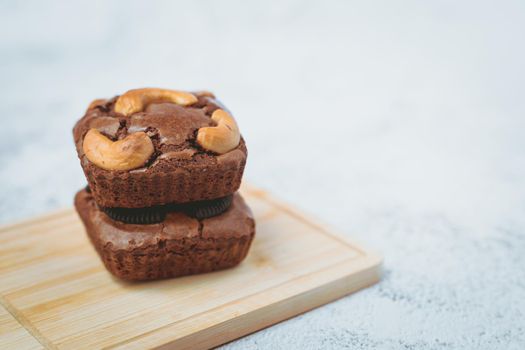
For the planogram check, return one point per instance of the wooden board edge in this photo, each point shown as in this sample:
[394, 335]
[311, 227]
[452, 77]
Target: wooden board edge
[280, 311]
[30, 340]
[322, 287]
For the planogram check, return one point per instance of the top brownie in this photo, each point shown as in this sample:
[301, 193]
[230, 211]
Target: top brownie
[152, 147]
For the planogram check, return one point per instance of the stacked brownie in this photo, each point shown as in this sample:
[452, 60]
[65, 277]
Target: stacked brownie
[163, 168]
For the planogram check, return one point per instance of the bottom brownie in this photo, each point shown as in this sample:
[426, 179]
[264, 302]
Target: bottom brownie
[178, 246]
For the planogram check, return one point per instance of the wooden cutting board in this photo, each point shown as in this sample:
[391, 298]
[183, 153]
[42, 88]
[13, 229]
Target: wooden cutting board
[55, 292]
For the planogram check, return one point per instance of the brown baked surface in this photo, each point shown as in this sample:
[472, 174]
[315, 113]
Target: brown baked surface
[179, 170]
[178, 246]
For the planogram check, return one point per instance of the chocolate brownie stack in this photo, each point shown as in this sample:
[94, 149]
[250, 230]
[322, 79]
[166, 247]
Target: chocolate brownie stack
[163, 168]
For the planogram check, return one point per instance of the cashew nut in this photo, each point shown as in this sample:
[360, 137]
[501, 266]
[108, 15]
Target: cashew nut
[95, 103]
[129, 153]
[204, 93]
[221, 138]
[137, 100]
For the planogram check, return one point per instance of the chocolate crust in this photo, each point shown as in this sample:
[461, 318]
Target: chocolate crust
[179, 171]
[178, 246]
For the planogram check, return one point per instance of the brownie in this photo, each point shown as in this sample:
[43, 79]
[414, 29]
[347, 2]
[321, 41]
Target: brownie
[179, 170]
[178, 246]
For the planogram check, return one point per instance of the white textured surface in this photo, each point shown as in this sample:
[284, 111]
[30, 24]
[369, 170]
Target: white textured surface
[401, 123]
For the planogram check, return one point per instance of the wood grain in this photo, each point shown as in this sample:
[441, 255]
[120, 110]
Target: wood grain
[53, 284]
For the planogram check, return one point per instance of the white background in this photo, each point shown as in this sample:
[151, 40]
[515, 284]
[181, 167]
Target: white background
[401, 123]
